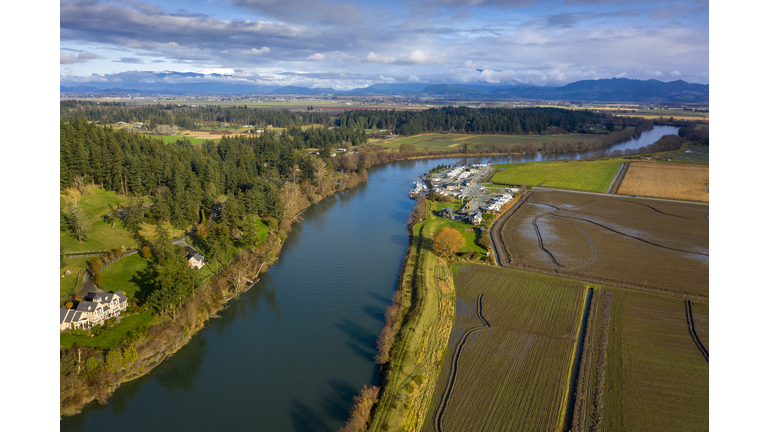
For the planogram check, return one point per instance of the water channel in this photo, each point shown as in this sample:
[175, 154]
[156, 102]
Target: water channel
[290, 354]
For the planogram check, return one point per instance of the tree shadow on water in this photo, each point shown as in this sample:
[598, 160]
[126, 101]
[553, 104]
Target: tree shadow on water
[380, 297]
[361, 341]
[336, 399]
[306, 418]
[374, 312]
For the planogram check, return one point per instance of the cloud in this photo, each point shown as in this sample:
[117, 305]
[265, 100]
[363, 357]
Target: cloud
[301, 11]
[317, 57]
[133, 60]
[260, 51]
[417, 57]
[84, 56]
[414, 78]
[469, 64]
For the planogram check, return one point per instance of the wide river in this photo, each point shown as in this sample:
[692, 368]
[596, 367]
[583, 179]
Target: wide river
[290, 353]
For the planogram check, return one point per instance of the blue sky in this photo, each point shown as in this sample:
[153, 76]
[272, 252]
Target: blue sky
[348, 44]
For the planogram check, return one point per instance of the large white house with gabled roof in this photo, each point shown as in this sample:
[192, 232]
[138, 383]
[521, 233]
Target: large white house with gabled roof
[93, 310]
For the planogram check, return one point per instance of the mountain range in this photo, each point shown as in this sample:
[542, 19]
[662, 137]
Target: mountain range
[602, 90]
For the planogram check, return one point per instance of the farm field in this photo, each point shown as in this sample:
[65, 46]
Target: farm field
[697, 154]
[509, 354]
[683, 182]
[650, 245]
[643, 372]
[595, 176]
[439, 141]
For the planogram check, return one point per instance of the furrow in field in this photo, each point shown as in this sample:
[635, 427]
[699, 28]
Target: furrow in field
[692, 329]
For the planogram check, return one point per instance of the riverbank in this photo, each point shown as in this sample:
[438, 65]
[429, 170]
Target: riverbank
[427, 302]
[89, 374]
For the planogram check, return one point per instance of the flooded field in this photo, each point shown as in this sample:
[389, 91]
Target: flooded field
[621, 241]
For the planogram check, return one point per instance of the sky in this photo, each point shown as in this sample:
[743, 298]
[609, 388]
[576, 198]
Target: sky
[348, 44]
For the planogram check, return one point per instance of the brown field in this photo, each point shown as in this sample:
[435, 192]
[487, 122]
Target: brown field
[641, 369]
[654, 246]
[508, 359]
[658, 180]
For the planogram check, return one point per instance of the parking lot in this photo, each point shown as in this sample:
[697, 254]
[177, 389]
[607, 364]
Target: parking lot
[448, 182]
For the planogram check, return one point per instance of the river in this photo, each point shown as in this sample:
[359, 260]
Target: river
[290, 354]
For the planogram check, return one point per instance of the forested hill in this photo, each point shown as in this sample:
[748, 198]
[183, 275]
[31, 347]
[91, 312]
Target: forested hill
[470, 120]
[180, 176]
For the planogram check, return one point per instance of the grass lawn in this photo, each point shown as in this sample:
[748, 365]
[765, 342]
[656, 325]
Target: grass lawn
[470, 237]
[96, 203]
[101, 237]
[173, 138]
[593, 176]
[114, 335]
[127, 274]
[67, 282]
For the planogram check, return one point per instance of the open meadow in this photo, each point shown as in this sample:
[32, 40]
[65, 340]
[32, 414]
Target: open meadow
[641, 369]
[510, 351]
[446, 141]
[595, 176]
[651, 245]
[660, 180]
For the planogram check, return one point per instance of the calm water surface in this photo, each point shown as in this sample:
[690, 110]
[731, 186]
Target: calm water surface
[290, 353]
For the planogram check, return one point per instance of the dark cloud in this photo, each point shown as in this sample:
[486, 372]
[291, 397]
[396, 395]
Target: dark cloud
[132, 60]
[562, 20]
[302, 11]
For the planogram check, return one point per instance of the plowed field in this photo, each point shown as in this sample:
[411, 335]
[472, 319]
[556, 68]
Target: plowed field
[684, 182]
[650, 245]
[508, 358]
[644, 371]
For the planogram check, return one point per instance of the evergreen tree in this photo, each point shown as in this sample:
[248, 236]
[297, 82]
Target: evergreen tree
[78, 222]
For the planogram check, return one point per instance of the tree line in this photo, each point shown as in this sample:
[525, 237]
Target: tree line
[186, 117]
[470, 120]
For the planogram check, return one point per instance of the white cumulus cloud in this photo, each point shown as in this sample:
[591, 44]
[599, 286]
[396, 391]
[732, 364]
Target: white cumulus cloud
[261, 51]
[317, 57]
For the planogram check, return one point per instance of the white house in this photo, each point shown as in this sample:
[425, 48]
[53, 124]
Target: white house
[93, 310]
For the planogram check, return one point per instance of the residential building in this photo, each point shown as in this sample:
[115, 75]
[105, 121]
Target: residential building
[93, 310]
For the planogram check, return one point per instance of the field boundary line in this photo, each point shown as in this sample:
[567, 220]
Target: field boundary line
[618, 177]
[692, 329]
[573, 374]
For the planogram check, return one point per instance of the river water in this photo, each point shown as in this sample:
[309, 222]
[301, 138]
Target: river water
[290, 354]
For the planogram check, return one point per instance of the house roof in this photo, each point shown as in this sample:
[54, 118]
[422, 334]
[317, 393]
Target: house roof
[87, 306]
[195, 254]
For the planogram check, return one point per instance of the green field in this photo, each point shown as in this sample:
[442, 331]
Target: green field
[698, 154]
[67, 283]
[593, 176]
[101, 237]
[509, 369]
[112, 336]
[173, 138]
[96, 202]
[128, 274]
[455, 141]
[652, 377]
